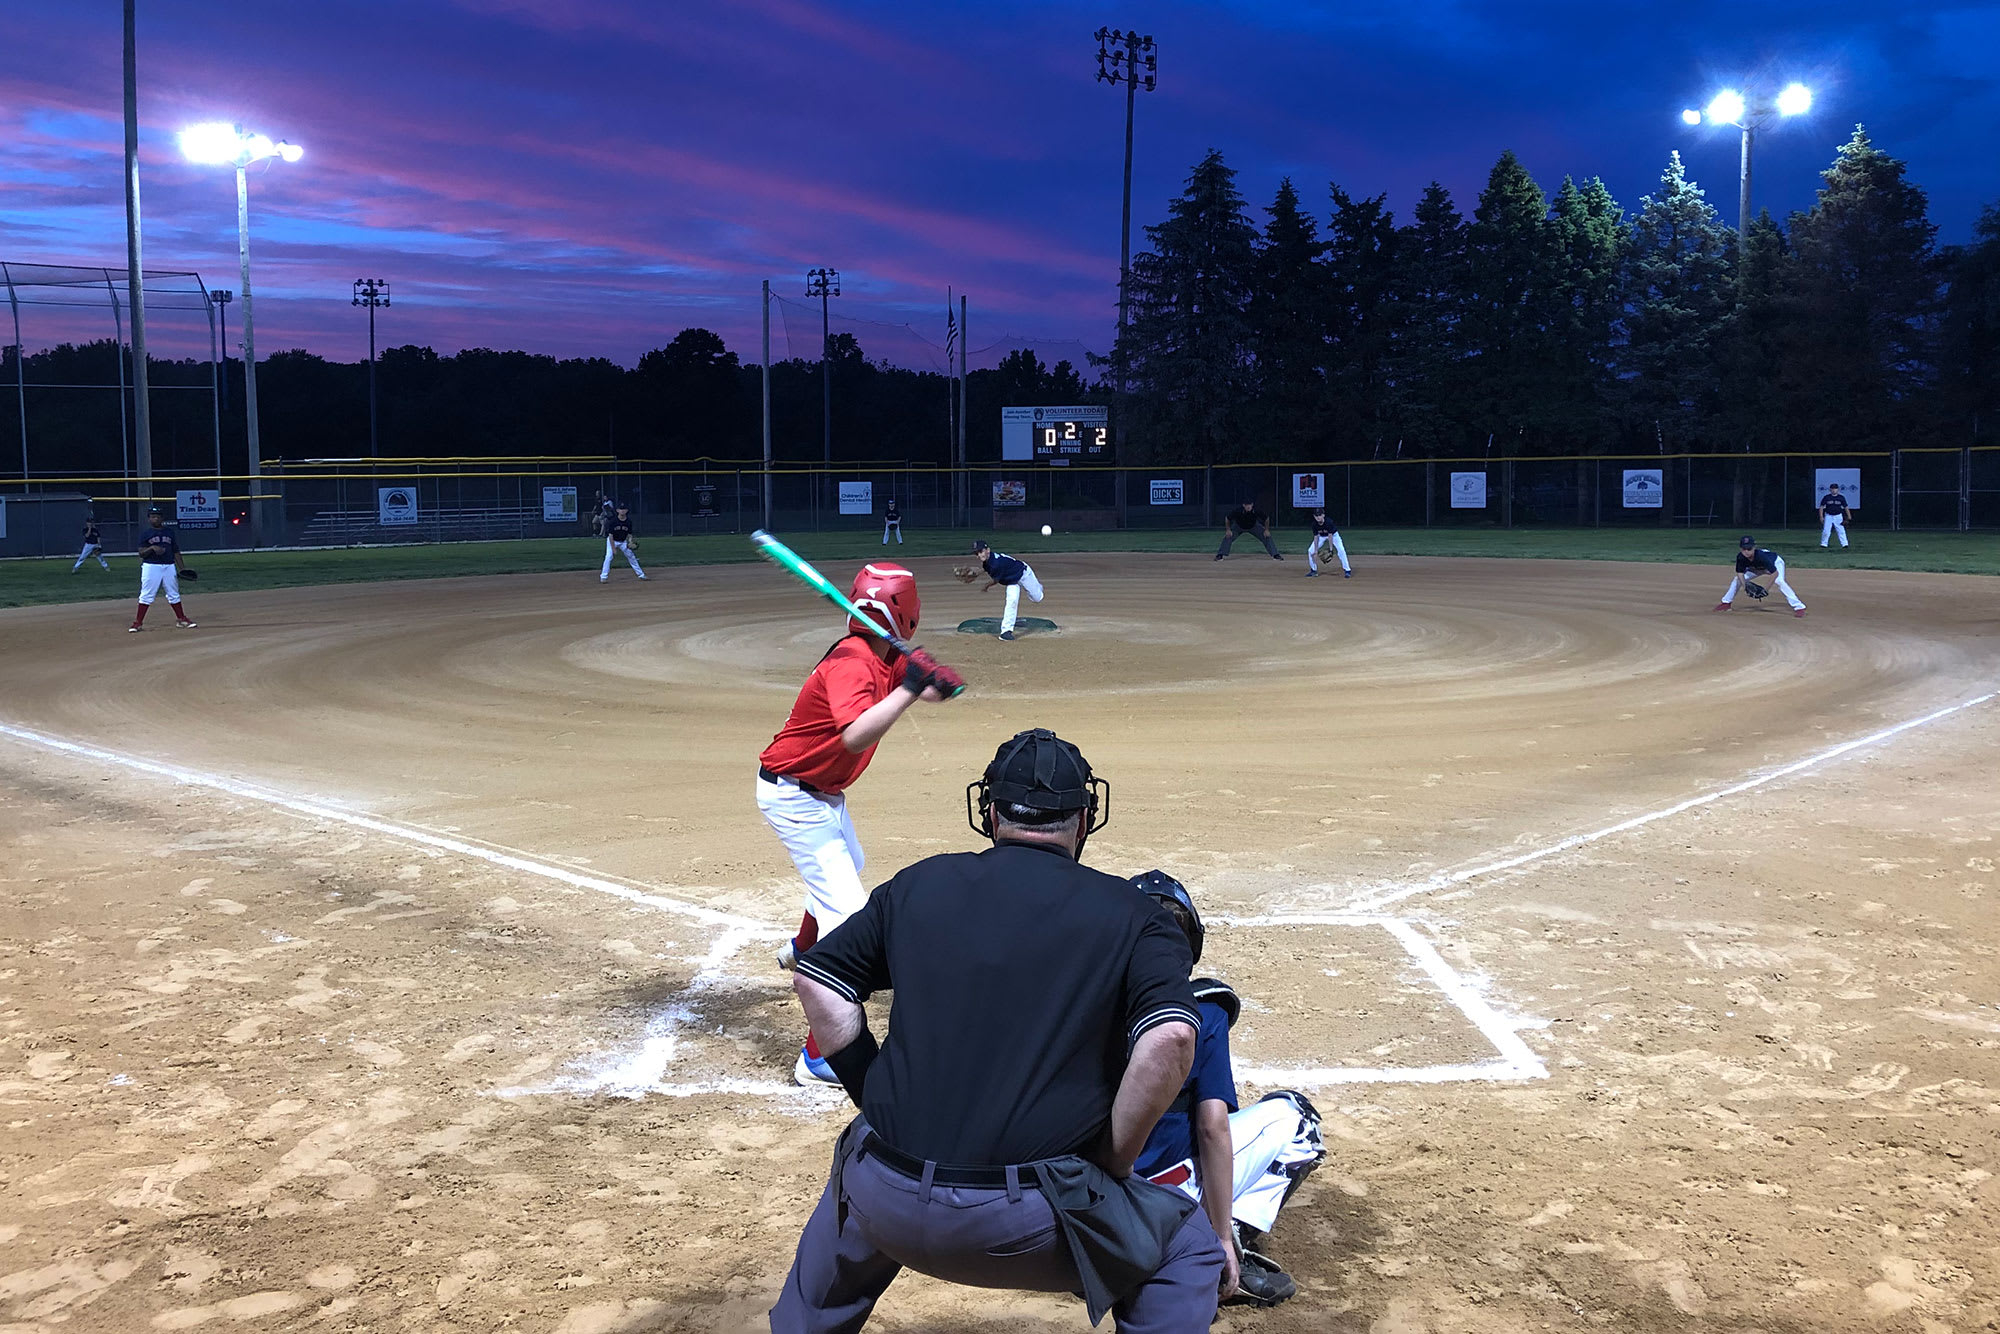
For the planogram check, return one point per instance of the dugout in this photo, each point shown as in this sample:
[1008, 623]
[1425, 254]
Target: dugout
[42, 523]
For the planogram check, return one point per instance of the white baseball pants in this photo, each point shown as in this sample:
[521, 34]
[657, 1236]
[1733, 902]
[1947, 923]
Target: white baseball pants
[895, 526]
[157, 579]
[1835, 523]
[610, 548]
[1339, 549]
[1274, 1143]
[1031, 585]
[820, 837]
[89, 549]
[1777, 581]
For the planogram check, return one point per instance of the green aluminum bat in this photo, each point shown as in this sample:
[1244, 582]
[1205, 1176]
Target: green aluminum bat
[771, 549]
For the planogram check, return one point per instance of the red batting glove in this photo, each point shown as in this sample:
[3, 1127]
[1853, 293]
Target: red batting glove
[947, 681]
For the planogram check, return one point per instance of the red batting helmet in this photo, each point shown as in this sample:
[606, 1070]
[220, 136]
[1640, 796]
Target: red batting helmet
[889, 594]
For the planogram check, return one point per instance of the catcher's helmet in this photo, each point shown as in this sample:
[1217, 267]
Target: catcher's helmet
[1041, 771]
[1746, 542]
[889, 593]
[1173, 896]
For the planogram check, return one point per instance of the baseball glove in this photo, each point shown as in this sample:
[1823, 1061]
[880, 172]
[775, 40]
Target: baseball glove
[1756, 590]
[965, 574]
[190, 574]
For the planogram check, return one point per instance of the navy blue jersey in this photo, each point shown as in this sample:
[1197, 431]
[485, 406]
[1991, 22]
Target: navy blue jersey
[1210, 1079]
[1004, 569]
[892, 514]
[620, 530]
[1833, 503]
[159, 547]
[1321, 528]
[1246, 519]
[1763, 560]
[90, 537]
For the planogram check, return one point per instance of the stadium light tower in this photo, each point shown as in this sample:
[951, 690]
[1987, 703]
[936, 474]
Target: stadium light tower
[825, 283]
[374, 294]
[1127, 58]
[222, 296]
[216, 144]
[1749, 114]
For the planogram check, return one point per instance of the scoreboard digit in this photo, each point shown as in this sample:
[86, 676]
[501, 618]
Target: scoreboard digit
[1058, 435]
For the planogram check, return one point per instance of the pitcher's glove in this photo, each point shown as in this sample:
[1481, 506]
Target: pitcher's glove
[1756, 590]
[190, 574]
[965, 574]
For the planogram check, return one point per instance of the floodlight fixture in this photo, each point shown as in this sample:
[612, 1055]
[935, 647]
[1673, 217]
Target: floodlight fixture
[1795, 100]
[1691, 117]
[216, 144]
[1728, 108]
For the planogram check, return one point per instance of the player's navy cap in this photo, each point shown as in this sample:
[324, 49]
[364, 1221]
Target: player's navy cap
[1746, 541]
[980, 544]
[156, 511]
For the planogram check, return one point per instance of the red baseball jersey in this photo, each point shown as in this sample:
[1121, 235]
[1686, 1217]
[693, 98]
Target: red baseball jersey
[849, 681]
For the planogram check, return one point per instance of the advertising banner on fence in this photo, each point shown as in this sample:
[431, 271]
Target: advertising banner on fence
[1010, 495]
[1168, 491]
[1645, 489]
[1309, 490]
[558, 504]
[1468, 490]
[396, 506]
[1850, 485]
[3, 516]
[857, 497]
[197, 509]
[704, 501]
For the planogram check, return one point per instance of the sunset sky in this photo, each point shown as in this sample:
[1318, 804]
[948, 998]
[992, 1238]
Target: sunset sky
[586, 177]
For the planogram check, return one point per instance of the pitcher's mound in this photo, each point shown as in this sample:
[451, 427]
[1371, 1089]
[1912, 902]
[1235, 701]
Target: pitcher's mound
[990, 625]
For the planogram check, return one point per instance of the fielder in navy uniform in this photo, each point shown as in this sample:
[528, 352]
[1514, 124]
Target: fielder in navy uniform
[1247, 518]
[159, 572]
[892, 522]
[1751, 561]
[1240, 1165]
[1832, 514]
[618, 539]
[93, 545]
[1012, 574]
[1325, 538]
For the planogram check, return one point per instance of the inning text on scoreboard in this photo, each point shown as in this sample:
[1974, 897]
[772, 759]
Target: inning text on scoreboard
[1074, 433]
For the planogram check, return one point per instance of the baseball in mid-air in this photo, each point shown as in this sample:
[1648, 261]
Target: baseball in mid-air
[1046, 530]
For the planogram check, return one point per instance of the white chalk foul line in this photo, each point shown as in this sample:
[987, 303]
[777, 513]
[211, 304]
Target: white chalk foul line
[1375, 900]
[316, 810]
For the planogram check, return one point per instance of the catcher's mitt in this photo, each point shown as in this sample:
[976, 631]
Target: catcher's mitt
[965, 574]
[190, 574]
[1756, 590]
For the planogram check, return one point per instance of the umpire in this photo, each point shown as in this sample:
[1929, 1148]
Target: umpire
[1043, 1022]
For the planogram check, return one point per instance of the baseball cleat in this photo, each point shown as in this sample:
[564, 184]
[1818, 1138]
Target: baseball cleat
[133, 629]
[788, 955]
[1312, 574]
[1722, 606]
[1347, 574]
[809, 1071]
[603, 578]
[1279, 556]
[1799, 612]
[642, 576]
[185, 625]
[1007, 634]
[1218, 557]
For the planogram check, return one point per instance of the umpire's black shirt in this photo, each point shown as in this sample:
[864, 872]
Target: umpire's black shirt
[1022, 979]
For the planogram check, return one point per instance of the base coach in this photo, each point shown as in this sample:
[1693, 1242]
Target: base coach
[1043, 1022]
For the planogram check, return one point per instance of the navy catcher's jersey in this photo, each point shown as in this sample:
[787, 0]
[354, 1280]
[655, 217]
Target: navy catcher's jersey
[1005, 569]
[1833, 503]
[1321, 528]
[892, 514]
[620, 530]
[1763, 560]
[158, 547]
[1247, 519]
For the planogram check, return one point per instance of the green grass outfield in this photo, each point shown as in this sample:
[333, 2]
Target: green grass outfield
[26, 583]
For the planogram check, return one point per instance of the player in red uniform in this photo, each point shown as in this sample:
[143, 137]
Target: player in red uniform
[851, 700]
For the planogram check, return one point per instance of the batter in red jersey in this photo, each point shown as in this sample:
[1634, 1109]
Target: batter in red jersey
[848, 704]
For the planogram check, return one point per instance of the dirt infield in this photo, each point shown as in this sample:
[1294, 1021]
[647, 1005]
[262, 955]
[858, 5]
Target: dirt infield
[396, 957]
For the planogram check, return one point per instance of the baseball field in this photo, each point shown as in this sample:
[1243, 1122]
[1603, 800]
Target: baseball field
[398, 956]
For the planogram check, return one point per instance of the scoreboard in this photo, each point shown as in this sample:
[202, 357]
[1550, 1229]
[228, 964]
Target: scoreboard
[1057, 436]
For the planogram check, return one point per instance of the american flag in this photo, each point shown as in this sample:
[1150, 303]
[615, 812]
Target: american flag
[950, 336]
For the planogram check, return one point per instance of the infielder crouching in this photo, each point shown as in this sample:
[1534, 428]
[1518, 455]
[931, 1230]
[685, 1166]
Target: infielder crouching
[1325, 538]
[1751, 561]
[617, 539]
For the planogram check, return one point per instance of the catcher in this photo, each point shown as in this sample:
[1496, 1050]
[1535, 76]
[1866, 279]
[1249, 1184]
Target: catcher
[160, 571]
[618, 538]
[1751, 561]
[1002, 571]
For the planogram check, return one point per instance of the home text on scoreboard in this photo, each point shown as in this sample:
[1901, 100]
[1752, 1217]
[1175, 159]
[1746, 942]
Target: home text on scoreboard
[1075, 433]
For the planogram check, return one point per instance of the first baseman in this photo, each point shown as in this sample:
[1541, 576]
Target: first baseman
[1011, 573]
[1325, 539]
[618, 538]
[93, 545]
[849, 703]
[160, 569]
[1832, 514]
[1751, 561]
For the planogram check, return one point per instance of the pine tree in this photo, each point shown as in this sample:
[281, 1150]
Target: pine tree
[1513, 264]
[1427, 356]
[1866, 278]
[1188, 348]
[1679, 291]
[1588, 237]
[1287, 314]
[1361, 269]
[1970, 359]
[1754, 400]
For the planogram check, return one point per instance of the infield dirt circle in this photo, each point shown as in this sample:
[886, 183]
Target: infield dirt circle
[398, 957]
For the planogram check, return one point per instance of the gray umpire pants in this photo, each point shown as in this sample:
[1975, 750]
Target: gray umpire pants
[1229, 540]
[980, 1238]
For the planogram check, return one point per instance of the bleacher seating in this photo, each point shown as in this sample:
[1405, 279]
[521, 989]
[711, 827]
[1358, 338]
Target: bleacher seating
[334, 528]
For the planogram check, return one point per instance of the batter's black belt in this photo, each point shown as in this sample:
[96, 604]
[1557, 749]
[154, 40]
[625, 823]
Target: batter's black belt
[948, 1174]
[770, 777]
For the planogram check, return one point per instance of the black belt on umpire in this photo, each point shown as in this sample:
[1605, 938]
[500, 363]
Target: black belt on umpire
[947, 1174]
[770, 777]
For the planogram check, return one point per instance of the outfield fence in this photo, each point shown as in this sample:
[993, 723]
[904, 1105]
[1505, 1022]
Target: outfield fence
[327, 503]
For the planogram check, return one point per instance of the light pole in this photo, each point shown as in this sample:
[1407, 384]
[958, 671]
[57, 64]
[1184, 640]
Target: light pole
[222, 296]
[372, 293]
[217, 144]
[1730, 107]
[135, 270]
[1119, 57]
[825, 283]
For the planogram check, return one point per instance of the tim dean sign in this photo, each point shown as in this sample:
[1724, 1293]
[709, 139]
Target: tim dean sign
[198, 509]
